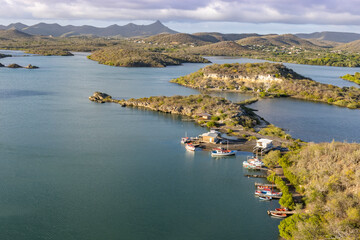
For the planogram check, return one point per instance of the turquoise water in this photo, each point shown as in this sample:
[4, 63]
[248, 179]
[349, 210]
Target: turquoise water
[73, 169]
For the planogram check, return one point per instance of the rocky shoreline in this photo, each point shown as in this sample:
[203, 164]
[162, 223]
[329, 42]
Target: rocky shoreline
[14, 65]
[268, 80]
[234, 125]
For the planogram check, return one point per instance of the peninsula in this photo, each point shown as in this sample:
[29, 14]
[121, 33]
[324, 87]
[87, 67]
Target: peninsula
[268, 80]
[327, 176]
[352, 78]
[208, 111]
[127, 57]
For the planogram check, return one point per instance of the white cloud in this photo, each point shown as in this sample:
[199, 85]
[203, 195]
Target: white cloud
[247, 11]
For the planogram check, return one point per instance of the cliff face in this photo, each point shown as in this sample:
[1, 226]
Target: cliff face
[249, 76]
[269, 79]
[254, 79]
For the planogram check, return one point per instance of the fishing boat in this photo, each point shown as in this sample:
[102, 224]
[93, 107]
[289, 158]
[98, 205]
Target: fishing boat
[185, 140]
[273, 194]
[268, 193]
[253, 163]
[262, 187]
[219, 152]
[190, 147]
[281, 209]
[278, 215]
[265, 198]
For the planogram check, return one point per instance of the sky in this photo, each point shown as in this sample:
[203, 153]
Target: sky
[227, 16]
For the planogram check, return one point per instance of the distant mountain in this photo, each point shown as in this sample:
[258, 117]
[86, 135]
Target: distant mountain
[225, 36]
[13, 33]
[179, 38]
[17, 26]
[343, 37]
[56, 30]
[286, 40]
[353, 46]
[223, 48]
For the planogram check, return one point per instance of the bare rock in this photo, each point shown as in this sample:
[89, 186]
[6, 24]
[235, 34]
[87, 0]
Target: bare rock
[14, 65]
[31, 67]
[100, 97]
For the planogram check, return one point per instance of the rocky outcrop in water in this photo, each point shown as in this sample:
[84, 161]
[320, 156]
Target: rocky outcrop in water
[14, 65]
[31, 67]
[100, 97]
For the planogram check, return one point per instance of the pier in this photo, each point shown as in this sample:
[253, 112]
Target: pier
[269, 185]
[265, 195]
[256, 176]
[281, 212]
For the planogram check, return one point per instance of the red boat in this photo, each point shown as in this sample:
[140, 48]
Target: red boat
[278, 215]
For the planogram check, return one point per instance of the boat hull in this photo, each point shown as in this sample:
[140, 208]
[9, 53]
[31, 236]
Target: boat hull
[222, 154]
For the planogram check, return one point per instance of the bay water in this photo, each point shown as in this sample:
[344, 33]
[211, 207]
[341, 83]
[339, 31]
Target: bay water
[74, 169]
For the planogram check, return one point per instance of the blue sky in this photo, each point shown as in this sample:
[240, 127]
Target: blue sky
[228, 16]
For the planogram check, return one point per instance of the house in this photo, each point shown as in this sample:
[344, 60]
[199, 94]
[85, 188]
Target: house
[204, 116]
[264, 145]
[211, 137]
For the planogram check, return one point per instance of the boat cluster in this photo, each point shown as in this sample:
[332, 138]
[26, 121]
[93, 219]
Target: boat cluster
[267, 192]
[253, 163]
[190, 145]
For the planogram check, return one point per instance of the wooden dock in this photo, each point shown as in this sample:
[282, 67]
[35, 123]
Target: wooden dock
[256, 176]
[279, 212]
[269, 185]
[265, 195]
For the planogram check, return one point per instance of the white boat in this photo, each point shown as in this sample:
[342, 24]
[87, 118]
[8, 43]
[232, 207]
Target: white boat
[253, 163]
[219, 152]
[190, 147]
[185, 140]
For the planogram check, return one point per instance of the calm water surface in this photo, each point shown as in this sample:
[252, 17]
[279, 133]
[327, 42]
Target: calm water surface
[73, 169]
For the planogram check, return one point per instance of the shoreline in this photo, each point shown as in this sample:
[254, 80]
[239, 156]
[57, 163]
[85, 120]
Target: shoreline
[245, 138]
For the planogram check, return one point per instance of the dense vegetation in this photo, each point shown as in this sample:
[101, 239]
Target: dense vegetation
[317, 58]
[274, 131]
[269, 80]
[4, 55]
[286, 199]
[280, 48]
[353, 78]
[223, 111]
[121, 57]
[328, 175]
[224, 48]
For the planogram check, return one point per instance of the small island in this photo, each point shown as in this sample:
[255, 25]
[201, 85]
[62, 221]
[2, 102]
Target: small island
[49, 52]
[268, 80]
[4, 55]
[124, 57]
[352, 78]
[14, 65]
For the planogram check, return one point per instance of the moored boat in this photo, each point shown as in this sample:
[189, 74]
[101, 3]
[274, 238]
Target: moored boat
[219, 152]
[190, 147]
[278, 215]
[265, 198]
[253, 163]
[185, 140]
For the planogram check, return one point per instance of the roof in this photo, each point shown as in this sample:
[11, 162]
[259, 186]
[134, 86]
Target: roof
[264, 140]
[210, 134]
[204, 114]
